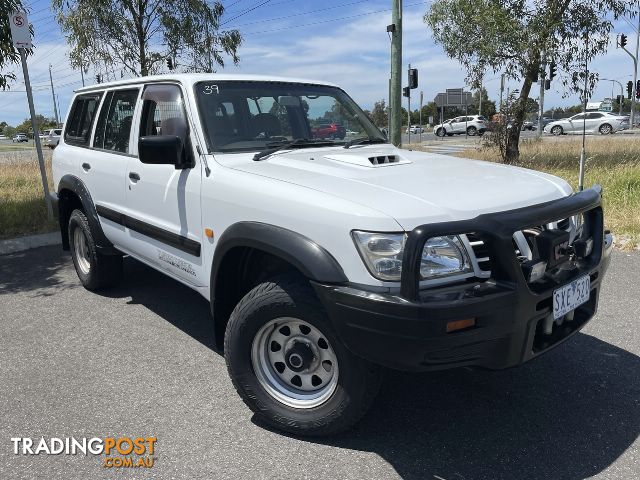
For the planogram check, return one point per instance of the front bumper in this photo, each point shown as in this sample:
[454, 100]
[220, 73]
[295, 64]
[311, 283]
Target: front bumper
[407, 330]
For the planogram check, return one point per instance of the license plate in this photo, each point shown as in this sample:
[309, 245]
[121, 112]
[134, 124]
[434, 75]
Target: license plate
[571, 296]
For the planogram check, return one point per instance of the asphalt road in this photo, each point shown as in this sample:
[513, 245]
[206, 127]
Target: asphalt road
[139, 361]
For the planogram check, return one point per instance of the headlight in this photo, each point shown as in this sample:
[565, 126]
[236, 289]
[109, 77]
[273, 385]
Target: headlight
[444, 256]
[382, 254]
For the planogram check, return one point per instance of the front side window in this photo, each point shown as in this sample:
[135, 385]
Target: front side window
[80, 121]
[247, 116]
[163, 111]
[114, 124]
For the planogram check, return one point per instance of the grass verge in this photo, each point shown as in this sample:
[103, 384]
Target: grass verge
[613, 162]
[22, 207]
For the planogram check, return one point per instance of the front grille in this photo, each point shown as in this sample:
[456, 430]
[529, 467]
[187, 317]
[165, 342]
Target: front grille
[523, 245]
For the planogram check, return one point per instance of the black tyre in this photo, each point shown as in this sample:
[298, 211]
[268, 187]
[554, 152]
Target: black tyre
[440, 132]
[605, 129]
[289, 366]
[94, 270]
[557, 130]
[472, 131]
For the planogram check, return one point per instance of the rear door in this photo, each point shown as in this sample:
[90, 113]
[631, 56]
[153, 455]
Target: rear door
[594, 119]
[163, 203]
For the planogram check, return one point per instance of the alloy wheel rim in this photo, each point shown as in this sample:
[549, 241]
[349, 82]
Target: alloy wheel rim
[294, 362]
[81, 249]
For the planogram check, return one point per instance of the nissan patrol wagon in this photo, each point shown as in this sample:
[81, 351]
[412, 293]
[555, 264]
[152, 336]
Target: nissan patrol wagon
[326, 258]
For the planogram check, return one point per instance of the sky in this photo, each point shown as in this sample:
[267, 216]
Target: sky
[340, 41]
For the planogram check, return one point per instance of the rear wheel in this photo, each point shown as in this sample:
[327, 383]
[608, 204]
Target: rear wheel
[605, 129]
[472, 131]
[94, 270]
[288, 365]
[557, 130]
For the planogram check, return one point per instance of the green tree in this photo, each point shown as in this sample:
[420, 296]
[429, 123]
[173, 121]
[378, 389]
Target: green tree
[9, 131]
[143, 34]
[518, 36]
[42, 122]
[8, 54]
[380, 114]
[488, 106]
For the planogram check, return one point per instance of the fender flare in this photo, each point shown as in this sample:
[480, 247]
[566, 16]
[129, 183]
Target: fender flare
[78, 187]
[312, 260]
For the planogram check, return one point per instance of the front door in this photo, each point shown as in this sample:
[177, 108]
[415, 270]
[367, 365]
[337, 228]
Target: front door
[163, 203]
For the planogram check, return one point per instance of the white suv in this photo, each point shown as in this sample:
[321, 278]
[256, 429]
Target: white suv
[469, 124]
[323, 258]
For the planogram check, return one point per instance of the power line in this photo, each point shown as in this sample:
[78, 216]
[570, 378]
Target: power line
[248, 10]
[350, 17]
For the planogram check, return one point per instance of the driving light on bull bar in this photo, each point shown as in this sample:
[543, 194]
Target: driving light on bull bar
[382, 254]
[534, 271]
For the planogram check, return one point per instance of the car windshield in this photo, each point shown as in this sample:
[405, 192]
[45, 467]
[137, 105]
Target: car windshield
[241, 116]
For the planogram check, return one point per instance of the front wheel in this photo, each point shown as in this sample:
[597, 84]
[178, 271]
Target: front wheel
[557, 130]
[440, 132]
[288, 365]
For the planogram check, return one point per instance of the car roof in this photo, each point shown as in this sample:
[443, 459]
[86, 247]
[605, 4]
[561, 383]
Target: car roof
[191, 78]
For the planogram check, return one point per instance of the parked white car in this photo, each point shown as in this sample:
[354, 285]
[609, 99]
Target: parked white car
[323, 258]
[53, 138]
[470, 125]
[20, 137]
[594, 122]
[414, 129]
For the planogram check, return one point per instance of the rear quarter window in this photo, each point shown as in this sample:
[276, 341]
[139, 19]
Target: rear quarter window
[81, 118]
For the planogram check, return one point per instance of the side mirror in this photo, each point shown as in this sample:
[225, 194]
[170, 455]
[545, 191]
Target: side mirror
[161, 150]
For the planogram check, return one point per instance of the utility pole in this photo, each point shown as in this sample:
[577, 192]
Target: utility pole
[480, 92]
[635, 70]
[396, 74]
[501, 90]
[82, 74]
[542, 76]
[53, 96]
[583, 152]
[409, 106]
[421, 100]
[621, 91]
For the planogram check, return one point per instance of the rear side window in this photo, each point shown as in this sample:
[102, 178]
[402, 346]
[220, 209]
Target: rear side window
[80, 121]
[114, 124]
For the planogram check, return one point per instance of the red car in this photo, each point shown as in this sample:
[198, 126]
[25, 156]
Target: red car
[329, 130]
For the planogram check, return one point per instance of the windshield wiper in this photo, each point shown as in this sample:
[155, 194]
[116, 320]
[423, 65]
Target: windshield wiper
[360, 141]
[299, 142]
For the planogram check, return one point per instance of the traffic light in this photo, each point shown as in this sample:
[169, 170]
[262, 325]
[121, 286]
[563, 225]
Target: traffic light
[629, 89]
[620, 99]
[547, 84]
[406, 91]
[552, 70]
[413, 78]
[623, 40]
[638, 89]
[169, 63]
[98, 78]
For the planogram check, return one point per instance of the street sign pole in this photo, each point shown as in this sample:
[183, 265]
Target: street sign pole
[21, 37]
[36, 135]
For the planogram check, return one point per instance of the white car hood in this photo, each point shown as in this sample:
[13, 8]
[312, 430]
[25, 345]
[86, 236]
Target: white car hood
[420, 188]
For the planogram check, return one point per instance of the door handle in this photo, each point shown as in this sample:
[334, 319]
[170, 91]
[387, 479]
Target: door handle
[134, 176]
[86, 167]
